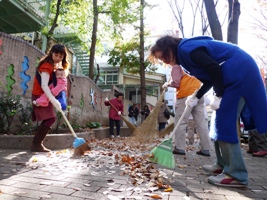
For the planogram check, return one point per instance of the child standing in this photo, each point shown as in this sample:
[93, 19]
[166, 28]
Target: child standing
[60, 86]
[47, 65]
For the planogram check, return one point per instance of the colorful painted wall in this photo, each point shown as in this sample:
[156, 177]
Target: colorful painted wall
[18, 62]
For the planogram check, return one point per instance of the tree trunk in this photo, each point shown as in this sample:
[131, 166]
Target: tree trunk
[233, 17]
[214, 22]
[54, 25]
[93, 41]
[142, 60]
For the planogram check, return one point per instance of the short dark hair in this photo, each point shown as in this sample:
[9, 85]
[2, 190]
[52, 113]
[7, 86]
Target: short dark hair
[118, 94]
[168, 45]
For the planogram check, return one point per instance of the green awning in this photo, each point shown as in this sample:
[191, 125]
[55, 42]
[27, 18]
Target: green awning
[19, 16]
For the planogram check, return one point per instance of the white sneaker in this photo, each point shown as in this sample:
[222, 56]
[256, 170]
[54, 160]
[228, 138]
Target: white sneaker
[225, 180]
[213, 169]
[118, 136]
[112, 136]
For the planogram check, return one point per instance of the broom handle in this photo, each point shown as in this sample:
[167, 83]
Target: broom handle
[169, 80]
[68, 123]
[113, 106]
[185, 111]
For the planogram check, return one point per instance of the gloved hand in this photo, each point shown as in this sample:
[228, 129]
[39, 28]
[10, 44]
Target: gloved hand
[165, 85]
[119, 113]
[55, 103]
[106, 99]
[215, 103]
[191, 101]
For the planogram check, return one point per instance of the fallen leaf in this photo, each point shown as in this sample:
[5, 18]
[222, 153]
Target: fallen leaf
[168, 189]
[156, 196]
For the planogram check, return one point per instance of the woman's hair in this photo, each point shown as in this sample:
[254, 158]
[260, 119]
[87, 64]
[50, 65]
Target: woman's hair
[118, 94]
[59, 49]
[168, 45]
[146, 107]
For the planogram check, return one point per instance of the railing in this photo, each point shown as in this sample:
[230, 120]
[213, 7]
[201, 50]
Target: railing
[34, 7]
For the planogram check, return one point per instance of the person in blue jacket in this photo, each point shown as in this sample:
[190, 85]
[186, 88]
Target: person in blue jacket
[236, 80]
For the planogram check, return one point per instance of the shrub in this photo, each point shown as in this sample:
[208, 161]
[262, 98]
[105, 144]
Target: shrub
[93, 124]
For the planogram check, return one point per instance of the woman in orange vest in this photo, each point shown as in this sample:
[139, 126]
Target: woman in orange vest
[185, 86]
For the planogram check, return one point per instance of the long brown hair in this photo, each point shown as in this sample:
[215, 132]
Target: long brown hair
[57, 48]
[168, 45]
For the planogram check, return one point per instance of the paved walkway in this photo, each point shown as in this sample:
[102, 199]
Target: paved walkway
[100, 174]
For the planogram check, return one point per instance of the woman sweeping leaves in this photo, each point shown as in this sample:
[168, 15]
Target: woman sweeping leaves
[115, 111]
[236, 80]
[46, 115]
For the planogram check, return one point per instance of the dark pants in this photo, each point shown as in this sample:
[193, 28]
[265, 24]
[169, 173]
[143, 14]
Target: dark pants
[111, 126]
[162, 125]
[256, 141]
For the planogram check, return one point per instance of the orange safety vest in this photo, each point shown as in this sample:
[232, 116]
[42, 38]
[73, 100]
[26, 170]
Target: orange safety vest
[188, 85]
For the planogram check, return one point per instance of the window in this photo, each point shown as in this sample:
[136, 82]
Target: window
[109, 77]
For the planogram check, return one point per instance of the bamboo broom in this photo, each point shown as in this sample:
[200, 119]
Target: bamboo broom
[166, 130]
[148, 129]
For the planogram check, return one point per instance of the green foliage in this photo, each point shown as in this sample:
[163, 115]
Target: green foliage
[74, 122]
[76, 16]
[26, 126]
[126, 55]
[9, 106]
[45, 31]
[93, 124]
[57, 126]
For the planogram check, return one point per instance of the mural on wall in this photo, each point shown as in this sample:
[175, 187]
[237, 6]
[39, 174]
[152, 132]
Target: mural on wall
[19, 60]
[37, 62]
[95, 98]
[92, 98]
[9, 79]
[25, 78]
[81, 102]
[1, 47]
[101, 98]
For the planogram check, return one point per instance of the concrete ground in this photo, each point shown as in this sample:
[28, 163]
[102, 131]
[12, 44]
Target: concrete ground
[100, 174]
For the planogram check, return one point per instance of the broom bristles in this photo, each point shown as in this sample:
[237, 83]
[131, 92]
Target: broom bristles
[80, 150]
[129, 124]
[162, 154]
[166, 130]
[148, 129]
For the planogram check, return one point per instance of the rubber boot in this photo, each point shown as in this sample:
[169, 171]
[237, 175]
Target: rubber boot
[37, 142]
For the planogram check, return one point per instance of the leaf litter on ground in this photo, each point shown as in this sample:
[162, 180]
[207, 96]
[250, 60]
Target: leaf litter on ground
[107, 156]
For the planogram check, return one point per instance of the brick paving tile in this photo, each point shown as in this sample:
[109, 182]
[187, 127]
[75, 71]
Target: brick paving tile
[28, 176]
